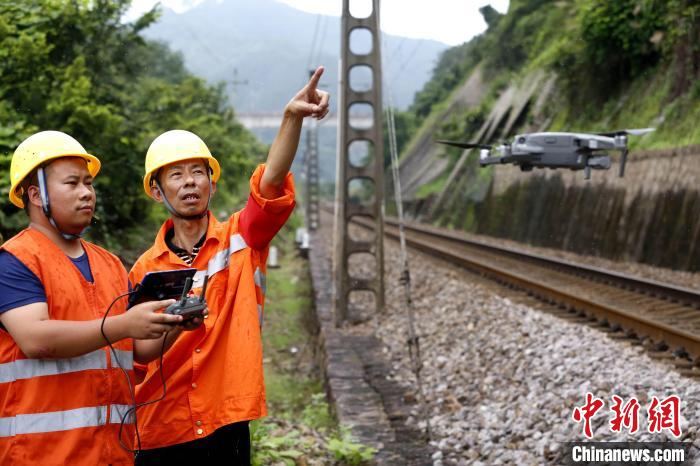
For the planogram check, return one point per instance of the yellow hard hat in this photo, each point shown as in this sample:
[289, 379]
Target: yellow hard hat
[39, 148]
[174, 146]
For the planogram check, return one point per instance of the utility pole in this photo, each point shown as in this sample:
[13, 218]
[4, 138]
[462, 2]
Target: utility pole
[311, 169]
[235, 82]
[370, 174]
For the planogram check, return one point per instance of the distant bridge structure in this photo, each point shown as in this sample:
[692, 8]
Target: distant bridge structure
[273, 120]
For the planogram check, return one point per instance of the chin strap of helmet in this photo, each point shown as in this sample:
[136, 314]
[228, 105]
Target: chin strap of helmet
[177, 214]
[46, 207]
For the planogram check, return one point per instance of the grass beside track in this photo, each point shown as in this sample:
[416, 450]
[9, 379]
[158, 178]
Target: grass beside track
[300, 429]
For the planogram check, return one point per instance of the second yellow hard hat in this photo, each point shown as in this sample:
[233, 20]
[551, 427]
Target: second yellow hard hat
[174, 146]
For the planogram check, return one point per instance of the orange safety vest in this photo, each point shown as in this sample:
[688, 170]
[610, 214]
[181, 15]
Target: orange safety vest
[214, 374]
[66, 411]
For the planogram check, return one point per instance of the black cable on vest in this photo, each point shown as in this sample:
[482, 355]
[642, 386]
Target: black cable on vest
[139, 405]
[126, 374]
[134, 405]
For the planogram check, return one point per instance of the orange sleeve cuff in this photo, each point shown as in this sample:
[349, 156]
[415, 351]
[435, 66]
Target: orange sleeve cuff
[278, 204]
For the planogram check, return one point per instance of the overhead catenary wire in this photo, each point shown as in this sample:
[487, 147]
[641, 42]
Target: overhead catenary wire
[322, 36]
[314, 38]
[202, 44]
[217, 59]
[397, 49]
[407, 61]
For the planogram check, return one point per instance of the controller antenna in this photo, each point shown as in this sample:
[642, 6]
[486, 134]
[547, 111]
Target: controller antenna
[185, 290]
[204, 288]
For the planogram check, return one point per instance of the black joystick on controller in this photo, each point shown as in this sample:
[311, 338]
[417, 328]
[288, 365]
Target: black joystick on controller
[189, 307]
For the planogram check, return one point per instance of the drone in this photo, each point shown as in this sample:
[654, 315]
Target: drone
[575, 151]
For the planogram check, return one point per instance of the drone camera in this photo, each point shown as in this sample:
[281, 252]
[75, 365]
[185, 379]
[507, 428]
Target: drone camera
[600, 162]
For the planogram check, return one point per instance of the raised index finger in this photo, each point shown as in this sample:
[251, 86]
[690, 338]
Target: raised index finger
[315, 78]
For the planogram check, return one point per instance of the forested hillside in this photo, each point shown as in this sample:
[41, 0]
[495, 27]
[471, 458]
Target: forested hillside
[628, 61]
[568, 65]
[75, 67]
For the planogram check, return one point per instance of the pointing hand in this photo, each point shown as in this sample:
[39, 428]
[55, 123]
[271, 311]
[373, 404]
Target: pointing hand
[310, 101]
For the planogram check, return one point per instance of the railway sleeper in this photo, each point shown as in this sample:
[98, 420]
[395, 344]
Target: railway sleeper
[681, 353]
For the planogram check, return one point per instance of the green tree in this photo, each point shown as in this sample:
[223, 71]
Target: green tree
[74, 66]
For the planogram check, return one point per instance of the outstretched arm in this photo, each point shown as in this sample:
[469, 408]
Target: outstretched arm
[309, 101]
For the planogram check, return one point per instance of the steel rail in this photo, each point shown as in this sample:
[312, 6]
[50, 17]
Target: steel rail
[445, 245]
[669, 291]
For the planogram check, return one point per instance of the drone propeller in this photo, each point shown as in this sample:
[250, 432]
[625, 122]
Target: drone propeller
[640, 131]
[463, 145]
[633, 132]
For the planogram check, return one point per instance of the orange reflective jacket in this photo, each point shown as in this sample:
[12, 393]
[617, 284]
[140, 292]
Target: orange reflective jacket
[65, 411]
[214, 374]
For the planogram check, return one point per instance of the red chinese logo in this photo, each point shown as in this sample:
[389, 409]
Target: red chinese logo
[586, 412]
[665, 415]
[625, 416]
[661, 415]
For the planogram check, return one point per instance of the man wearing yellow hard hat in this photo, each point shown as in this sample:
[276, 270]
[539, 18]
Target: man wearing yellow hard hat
[215, 378]
[62, 393]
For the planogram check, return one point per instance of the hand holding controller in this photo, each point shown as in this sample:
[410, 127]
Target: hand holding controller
[189, 307]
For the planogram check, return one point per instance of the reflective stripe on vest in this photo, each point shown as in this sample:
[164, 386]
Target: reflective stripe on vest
[60, 420]
[220, 260]
[126, 359]
[28, 368]
[116, 412]
[260, 280]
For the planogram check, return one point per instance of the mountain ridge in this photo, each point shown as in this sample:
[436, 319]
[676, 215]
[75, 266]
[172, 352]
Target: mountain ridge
[260, 49]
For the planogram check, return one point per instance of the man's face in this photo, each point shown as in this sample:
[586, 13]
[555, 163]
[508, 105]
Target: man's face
[71, 194]
[186, 185]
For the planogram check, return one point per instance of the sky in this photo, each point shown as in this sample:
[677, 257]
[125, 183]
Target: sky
[449, 21]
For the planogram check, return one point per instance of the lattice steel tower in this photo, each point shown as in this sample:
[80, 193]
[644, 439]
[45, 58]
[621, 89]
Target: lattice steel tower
[360, 169]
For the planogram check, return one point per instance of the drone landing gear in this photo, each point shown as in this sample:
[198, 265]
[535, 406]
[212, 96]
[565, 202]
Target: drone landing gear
[623, 161]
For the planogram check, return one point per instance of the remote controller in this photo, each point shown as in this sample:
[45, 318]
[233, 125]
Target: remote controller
[189, 307]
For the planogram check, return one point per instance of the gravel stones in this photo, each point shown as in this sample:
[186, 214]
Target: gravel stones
[501, 379]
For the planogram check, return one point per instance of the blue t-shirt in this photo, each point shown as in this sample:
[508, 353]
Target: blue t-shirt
[19, 286]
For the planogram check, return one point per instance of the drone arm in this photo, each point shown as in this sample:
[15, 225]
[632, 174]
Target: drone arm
[491, 161]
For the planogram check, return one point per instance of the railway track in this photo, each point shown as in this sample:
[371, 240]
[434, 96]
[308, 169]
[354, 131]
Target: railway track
[665, 317]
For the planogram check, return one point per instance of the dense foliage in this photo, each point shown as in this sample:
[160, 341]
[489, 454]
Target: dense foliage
[75, 66]
[452, 67]
[612, 43]
[599, 51]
